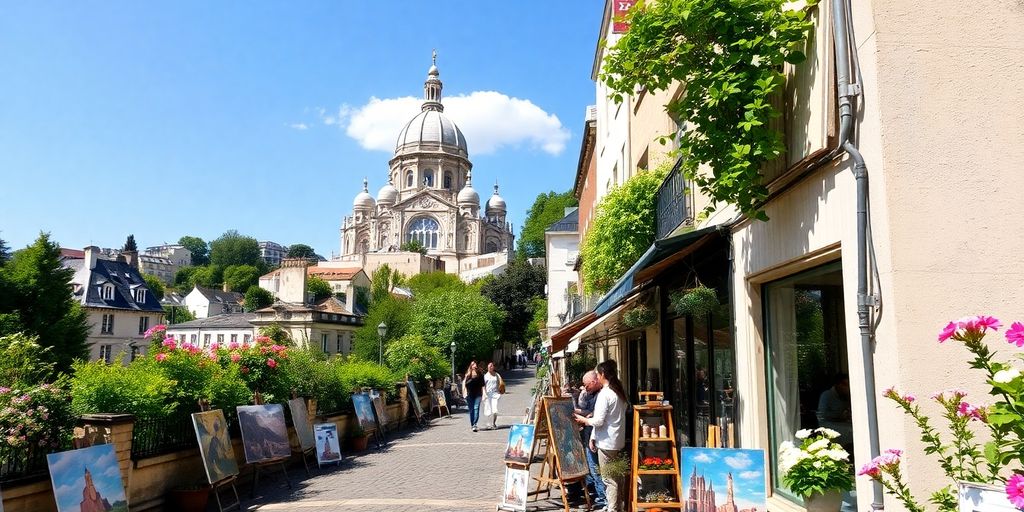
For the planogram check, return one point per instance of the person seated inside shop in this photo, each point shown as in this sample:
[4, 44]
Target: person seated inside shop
[834, 410]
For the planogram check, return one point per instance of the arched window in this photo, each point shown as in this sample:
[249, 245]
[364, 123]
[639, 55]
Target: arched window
[409, 179]
[425, 230]
[492, 246]
[448, 181]
[428, 178]
[364, 246]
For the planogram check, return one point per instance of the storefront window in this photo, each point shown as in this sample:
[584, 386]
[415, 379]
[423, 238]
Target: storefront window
[808, 385]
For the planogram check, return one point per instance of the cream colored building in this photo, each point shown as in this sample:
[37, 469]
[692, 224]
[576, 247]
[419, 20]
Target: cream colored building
[346, 281]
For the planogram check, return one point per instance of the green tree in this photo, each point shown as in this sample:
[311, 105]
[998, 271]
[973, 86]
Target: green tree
[257, 298]
[318, 287]
[301, 251]
[622, 229]
[155, 285]
[241, 277]
[197, 246]
[462, 316]
[514, 292]
[423, 284]
[184, 278]
[41, 302]
[411, 355]
[383, 281]
[395, 313]
[414, 246]
[129, 244]
[5, 252]
[25, 362]
[539, 321]
[233, 248]
[546, 210]
[177, 314]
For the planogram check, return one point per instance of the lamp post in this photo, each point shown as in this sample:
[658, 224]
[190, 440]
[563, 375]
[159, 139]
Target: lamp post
[453, 361]
[382, 330]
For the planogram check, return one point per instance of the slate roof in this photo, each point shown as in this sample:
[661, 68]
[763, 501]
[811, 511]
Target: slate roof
[125, 278]
[223, 321]
[568, 224]
[221, 296]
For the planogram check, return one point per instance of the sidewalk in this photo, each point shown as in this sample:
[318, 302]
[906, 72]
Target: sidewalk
[443, 467]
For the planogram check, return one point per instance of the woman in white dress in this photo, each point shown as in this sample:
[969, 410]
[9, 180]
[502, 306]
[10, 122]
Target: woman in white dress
[493, 388]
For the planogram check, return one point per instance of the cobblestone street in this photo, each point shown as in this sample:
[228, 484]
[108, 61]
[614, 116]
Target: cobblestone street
[442, 467]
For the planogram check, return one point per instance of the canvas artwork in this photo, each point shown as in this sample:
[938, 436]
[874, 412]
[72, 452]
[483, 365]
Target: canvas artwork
[327, 448]
[736, 476]
[87, 480]
[439, 397]
[414, 398]
[264, 434]
[520, 444]
[515, 489]
[300, 417]
[378, 407]
[364, 411]
[215, 445]
[572, 460]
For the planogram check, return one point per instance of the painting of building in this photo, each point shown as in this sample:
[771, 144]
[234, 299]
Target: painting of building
[723, 480]
[87, 480]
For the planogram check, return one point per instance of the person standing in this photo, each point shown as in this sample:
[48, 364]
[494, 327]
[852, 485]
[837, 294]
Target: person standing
[609, 420]
[585, 407]
[473, 388]
[494, 386]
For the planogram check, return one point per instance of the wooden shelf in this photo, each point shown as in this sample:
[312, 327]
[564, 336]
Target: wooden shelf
[657, 472]
[656, 439]
[644, 408]
[676, 487]
[674, 504]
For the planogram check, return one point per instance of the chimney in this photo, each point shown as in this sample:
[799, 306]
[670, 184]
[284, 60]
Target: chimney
[293, 280]
[226, 287]
[91, 253]
[131, 258]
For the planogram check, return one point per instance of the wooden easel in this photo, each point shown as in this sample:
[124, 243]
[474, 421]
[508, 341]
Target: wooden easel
[549, 476]
[217, 487]
[437, 401]
[414, 403]
[258, 466]
[303, 454]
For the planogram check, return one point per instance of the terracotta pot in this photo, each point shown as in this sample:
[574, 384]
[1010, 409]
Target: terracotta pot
[191, 500]
[830, 501]
[359, 443]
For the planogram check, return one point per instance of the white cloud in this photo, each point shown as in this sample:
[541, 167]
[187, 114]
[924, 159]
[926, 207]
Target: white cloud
[750, 475]
[703, 458]
[739, 461]
[299, 126]
[490, 121]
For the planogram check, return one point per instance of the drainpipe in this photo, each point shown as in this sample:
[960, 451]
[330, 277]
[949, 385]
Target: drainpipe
[865, 302]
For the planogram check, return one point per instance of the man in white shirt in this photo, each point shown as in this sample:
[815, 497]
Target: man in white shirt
[609, 420]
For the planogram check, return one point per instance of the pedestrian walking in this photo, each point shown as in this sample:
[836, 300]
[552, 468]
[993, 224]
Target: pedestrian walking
[608, 437]
[494, 386]
[473, 389]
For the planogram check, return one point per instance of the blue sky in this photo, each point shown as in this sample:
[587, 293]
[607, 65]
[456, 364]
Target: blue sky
[164, 119]
[746, 466]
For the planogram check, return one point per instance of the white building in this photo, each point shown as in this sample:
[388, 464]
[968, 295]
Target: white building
[562, 247]
[614, 165]
[272, 252]
[220, 329]
[346, 281]
[206, 302]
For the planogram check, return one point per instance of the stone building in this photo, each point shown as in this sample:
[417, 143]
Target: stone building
[429, 197]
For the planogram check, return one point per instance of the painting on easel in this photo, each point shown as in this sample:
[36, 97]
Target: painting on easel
[264, 434]
[572, 460]
[215, 445]
[300, 418]
[515, 489]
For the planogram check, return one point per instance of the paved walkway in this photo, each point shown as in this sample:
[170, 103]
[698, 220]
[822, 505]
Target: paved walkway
[443, 467]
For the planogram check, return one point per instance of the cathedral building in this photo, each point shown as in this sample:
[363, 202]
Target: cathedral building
[429, 197]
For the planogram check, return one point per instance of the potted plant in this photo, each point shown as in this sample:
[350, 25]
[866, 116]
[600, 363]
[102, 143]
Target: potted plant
[191, 498]
[659, 496]
[358, 438]
[817, 469]
[639, 316]
[697, 301]
[656, 463]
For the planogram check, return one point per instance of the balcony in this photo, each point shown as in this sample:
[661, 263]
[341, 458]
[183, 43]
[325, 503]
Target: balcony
[675, 203]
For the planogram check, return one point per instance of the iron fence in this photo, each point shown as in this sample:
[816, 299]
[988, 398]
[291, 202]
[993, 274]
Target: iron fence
[160, 435]
[21, 464]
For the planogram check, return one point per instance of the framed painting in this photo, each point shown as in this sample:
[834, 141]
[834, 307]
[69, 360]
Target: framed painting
[414, 397]
[300, 418]
[724, 469]
[520, 444]
[378, 407]
[439, 398]
[572, 460]
[264, 434]
[514, 494]
[215, 445]
[87, 479]
[364, 411]
[328, 450]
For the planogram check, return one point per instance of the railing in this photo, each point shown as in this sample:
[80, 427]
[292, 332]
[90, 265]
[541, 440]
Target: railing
[675, 207]
[157, 436]
[21, 464]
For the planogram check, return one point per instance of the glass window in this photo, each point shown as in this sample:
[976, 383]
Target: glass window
[246, 338]
[428, 178]
[808, 386]
[143, 324]
[425, 230]
[234, 338]
[220, 339]
[323, 343]
[337, 348]
[193, 338]
[105, 352]
[448, 181]
[409, 179]
[206, 340]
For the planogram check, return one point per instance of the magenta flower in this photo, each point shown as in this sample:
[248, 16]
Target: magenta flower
[153, 330]
[161, 357]
[948, 332]
[966, 410]
[1015, 334]
[271, 363]
[1015, 490]
[170, 343]
[870, 469]
[235, 358]
[233, 345]
[909, 398]
[214, 346]
[978, 324]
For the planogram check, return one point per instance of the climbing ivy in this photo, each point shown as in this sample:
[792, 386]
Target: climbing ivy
[730, 55]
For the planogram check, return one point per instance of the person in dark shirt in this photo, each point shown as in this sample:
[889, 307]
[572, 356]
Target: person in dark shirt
[473, 388]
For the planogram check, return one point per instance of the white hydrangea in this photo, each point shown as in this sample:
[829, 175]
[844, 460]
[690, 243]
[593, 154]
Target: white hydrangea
[836, 454]
[818, 445]
[1006, 376]
[827, 432]
[803, 434]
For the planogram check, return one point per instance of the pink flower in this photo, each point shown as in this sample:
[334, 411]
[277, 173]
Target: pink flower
[271, 363]
[161, 357]
[948, 332]
[870, 469]
[978, 324]
[170, 343]
[277, 348]
[233, 345]
[153, 330]
[1015, 334]
[966, 410]
[214, 346]
[213, 356]
[235, 358]
[1015, 490]
[909, 398]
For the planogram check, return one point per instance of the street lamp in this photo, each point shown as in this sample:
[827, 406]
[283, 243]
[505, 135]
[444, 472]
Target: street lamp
[382, 330]
[453, 361]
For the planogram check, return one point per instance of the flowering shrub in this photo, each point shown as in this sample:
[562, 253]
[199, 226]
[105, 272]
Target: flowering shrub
[817, 465]
[961, 457]
[36, 416]
[195, 369]
[656, 463]
[137, 388]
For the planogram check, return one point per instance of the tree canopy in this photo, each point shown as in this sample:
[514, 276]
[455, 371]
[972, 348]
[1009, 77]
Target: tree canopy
[257, 298]
[514, 292]
[301, 251]
[414, 246]
[155, 285]
[547, 209]
[395, 313]
[197, 246]
[427, 282]
[383, 282]
[458, 315]
[318, 287]
[241, 277]
[233, 248]
[130, 245]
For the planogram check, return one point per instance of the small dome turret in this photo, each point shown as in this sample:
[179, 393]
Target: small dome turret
[388, 195]
[468, 196]
[363, 200]
[496, 205]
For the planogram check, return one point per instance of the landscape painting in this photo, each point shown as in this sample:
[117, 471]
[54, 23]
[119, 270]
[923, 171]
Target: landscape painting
[515, 489]
[215, 445]
[741, 470]
[520, 443]
[328, 450]
[300, 417]
[87, 480]
[572, 460]
[364, 411]
[264, 434]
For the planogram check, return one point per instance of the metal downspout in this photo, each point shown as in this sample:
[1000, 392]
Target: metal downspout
[865, 302]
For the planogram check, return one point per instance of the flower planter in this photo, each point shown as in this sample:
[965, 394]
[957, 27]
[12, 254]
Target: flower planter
[830, 501]
[190, 500]
[359, 443]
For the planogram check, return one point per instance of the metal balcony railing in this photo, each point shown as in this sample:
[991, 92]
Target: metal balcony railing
[675, 202]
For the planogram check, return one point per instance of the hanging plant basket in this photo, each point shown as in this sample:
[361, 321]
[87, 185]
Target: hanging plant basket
[698, 301]
[639, 316]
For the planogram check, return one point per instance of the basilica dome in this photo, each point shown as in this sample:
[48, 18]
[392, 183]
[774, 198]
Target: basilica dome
[388, 195]
[496, 204]
[431, 130]
[468, 196]
[363, 200]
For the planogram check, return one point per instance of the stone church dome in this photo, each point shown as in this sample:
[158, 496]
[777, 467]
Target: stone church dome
[468, 196]
[363, 200]
[388, 194]
[431, 130]
[496, 204]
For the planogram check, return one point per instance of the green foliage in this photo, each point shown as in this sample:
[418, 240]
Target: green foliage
[24, 362]
[539, 321]
[184, 278]
[383, 281]
[730, 55]
[257, 298]
[38, 415]
[130, 245]
[241, 277]
[578, 364]
[233, 248]
[228, 390]
[37, 299]
[155, 285]
[5, 252]
[193, 374]
[462, 316]
[622, 229]
[698, 301]
[318, 287]
[410, 355]
[639, 316]
[423, 284]
[177, 314]
[514, 292]
[311, 374]
[546, 210]
[209, 276]
[277, 334]
[197, 246]
[301, 251]
[137, 389]
[414, 246]
[395, 313]
[356, 374]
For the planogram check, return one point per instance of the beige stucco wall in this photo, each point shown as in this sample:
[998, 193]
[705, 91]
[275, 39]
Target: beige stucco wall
[126, 330]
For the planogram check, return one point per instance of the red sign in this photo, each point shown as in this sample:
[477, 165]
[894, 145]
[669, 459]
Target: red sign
[619, 10]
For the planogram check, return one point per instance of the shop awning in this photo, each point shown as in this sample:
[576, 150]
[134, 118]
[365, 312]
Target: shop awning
[560, 339]
[605, 323]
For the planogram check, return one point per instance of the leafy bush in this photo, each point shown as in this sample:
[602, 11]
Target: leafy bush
[25, 362]
[697, 301]
[815, 466]
[36, 416]
[189, 368]
[410, 355]
[460, 316]
[356, 374]
[577, 365]
[257, 298]
[395, 313]
[318, 287]
[228, 390]
[138, 388]
[311, 374]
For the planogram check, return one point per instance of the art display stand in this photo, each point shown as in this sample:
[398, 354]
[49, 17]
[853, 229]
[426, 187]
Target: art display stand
[438, 402]
[227, 483]
[258, 467]
[654, 408]
[305, 457]
[414, 405]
